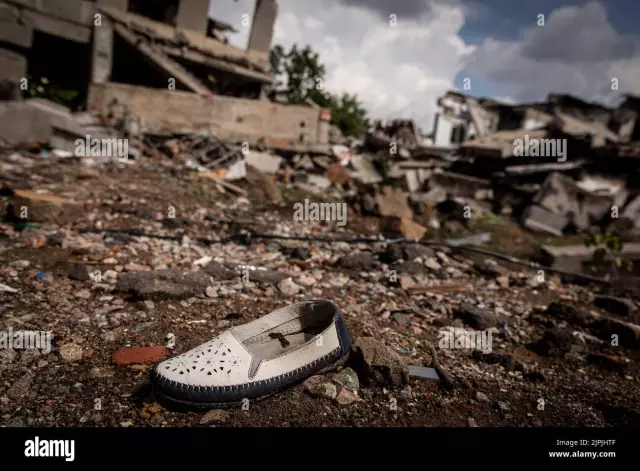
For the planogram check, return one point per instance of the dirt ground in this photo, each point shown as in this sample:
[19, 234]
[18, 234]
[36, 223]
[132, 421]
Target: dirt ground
[573, 378]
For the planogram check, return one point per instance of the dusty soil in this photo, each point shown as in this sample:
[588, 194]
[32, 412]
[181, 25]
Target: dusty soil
[514, 386]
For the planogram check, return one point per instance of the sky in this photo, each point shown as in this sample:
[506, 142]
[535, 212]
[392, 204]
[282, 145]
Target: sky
[399, 56]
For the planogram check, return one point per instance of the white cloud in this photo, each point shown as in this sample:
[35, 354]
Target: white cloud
[577, 51]
[394, 70]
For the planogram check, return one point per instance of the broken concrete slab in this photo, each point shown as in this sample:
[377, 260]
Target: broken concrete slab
[261, 188]
[377, 364]
[161, 61]
[230, 119]
[337, 174]
[475, 317]
[41, 120]
[422, 372]
[168, 284]
[539, 219]
[268, 164]
[457, 184]
[575, 258]
[365, 172]
[342, 153]
[13, 67]
[472, 240]
[561, 195]
[499, 144]
[162, 32]
[316, 184]
[631, 212]
[30, 205]
[12, 31]
[220, 272]
[392, 225]
[363, 261]
[393, 202]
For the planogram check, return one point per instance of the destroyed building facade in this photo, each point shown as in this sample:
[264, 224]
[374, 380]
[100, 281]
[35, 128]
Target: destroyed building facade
[166, 60]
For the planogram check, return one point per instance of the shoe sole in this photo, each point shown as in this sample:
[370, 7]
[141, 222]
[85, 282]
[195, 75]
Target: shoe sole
[220, 405]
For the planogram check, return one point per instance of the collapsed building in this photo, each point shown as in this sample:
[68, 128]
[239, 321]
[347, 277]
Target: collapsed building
[559, 165]
[165, 62]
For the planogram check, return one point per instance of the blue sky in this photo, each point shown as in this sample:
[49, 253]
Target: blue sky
[506, 19]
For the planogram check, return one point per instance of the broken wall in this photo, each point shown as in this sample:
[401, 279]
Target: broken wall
[232, 119]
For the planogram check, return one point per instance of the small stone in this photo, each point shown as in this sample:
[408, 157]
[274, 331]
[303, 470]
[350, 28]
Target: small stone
[211, 292]
[98, 372]
[472, 422]
[476, 318]
[29, 355]
[406, 393]
[503, 406]
[306, 280]
[17, 422]
[8, 355]
[297, 253]
[142, 326]
[20, 264]
[170, 284]
[503, 281]
[83, 294]
[71, 352]
[149, 305]
[432, 264]
[363, 261]
[20, 388]
[79, 271]
[348, 379]
[323, 389]
[377, 364]
[346, 397]
[216, 415]
[288, 287]
[402, 319]
[134, 267]
[406, 282]
[482, 397]
[139, 355]
[555, 342]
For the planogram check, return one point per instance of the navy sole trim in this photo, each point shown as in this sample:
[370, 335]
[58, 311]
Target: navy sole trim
[217, 397]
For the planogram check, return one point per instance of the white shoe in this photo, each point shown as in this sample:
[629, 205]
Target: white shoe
[257, 359]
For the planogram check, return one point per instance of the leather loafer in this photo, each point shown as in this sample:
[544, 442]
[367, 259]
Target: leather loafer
[257, 359]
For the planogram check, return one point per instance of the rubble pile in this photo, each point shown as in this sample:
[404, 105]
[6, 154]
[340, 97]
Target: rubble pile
[129, 255]
[128, 261]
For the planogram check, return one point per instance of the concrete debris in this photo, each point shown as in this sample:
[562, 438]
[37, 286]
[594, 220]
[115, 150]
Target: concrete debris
[7, 289]
[42, 207]
[561, 195]
[394, 226]
[540, 220]
[268, 164]
[393, 202]
[337, 174]
[476, 239]
[376, 363]
[422, 372]
[168, 283]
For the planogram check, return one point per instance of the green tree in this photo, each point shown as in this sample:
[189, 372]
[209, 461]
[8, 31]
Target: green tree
[300, 76]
